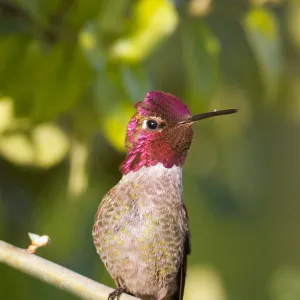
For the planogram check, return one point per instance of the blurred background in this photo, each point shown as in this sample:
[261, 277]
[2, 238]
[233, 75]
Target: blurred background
[70, 73]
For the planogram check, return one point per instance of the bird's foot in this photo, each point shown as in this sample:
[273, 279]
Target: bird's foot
[116, 294]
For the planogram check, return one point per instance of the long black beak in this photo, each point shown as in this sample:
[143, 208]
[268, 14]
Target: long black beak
[215, 113]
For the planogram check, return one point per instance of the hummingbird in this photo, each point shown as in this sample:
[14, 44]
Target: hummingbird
[141, 229]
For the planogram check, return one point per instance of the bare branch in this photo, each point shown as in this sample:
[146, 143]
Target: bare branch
[54, 274]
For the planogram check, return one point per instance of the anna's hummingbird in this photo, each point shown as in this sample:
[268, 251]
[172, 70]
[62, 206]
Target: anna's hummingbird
[141, 229]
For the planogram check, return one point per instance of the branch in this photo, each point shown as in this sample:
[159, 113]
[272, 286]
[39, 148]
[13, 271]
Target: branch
[54, 274]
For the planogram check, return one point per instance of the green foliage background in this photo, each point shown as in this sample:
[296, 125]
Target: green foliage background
[70, 72]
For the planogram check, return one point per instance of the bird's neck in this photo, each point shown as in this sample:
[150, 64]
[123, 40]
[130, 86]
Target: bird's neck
[156, 177]
[150, 155]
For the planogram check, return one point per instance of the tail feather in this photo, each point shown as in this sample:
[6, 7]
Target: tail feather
[182, 271]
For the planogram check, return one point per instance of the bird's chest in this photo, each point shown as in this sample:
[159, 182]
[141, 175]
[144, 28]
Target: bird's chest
[153, 214]
[141, 227]
[145, 210]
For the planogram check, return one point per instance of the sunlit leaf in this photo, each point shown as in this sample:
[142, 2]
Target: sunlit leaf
[201, 57]
[46, 146]
[115, 124]
[153, 20]
[17, 148]
[78, 178]
[6, 113]
[113, 106]
[261, 27]
[204, 283]
[50, 144]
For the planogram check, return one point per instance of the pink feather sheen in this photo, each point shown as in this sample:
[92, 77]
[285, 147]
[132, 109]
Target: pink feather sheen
[156, 101]
[146, 148]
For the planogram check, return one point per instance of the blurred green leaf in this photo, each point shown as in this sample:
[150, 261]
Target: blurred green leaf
[111, 15]
[46, 146]
[34, 10]
[10, 26]
[82, 12]
[12, 53]
[136, 81]
[113, 105]
[293, 21]
[285, 283]
[91, 43]
[61, 212]
[115, 123]
[51, 145]
[205, 283]
[17, 148]
[78, 179]
[55, 80]
[6, 113]
[153, 20]
[53, 6]
[201, 60]
[66, 87]
[108, 88]
[261, 27]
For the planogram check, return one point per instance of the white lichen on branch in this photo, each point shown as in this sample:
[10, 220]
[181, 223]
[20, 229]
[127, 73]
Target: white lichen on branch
[54, 274]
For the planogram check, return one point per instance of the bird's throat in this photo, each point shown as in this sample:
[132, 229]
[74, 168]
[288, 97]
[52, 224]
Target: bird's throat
[151, 156]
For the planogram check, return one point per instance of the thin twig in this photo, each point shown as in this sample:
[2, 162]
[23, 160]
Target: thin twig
[54, 274]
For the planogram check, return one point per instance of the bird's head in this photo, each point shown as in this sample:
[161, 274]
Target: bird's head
[160, 132]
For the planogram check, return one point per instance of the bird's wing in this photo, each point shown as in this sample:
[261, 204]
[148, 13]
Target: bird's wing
[182, 271]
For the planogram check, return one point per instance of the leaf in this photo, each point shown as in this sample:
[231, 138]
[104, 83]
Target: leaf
[12, 54]
[6, 113]
[293, 22]
[46, 146]
[35, 10]
[152, 21]
[44, 85]
[90, 42]
[9, 26]
[17, 148]
[111, 15]
[113, 106]
[108, 88]
[78, 178]
[51, 145]
[115, 123]
[201, 59]
[62, 84]
[261, 27]
[82, 12]
[136, 81]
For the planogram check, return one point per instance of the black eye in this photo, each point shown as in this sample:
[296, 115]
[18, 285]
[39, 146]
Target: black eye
[151, 124]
